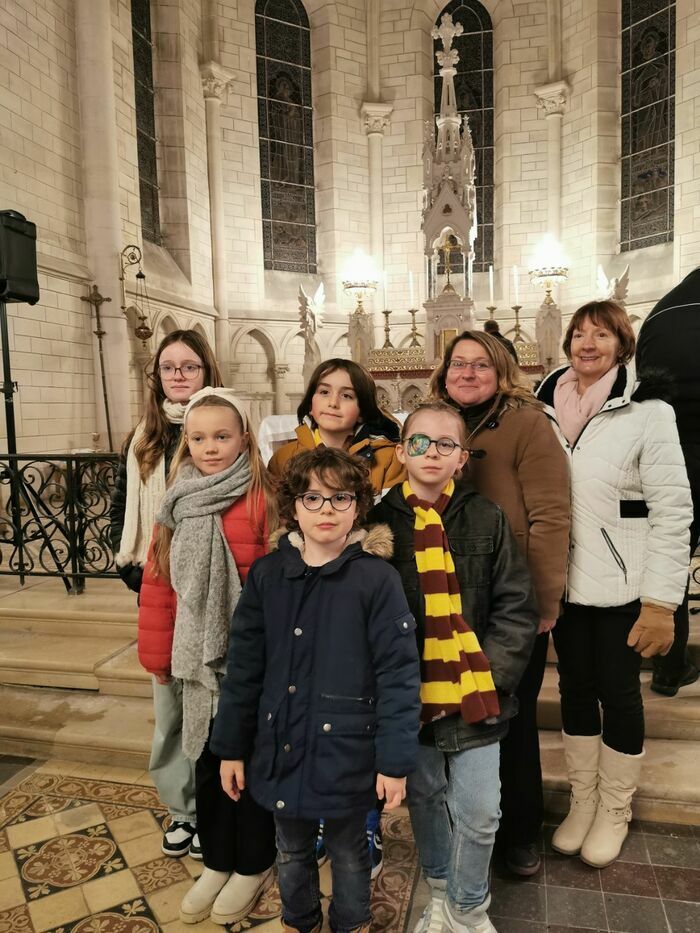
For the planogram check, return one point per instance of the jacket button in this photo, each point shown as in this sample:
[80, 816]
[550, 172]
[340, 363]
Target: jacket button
[405, 625]
[287, 747]
[269, 716]
[327, 727]
[291, 689]
[368, 728]
[297, 632]
[280, 804]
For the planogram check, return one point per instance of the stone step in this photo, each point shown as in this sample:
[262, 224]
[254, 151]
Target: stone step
[668, 792]
[122, 675]
[75, 725]
[665, 717]
[47, 659]
[106, 608]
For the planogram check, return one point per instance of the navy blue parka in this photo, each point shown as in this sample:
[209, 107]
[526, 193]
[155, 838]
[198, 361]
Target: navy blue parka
[322, 683]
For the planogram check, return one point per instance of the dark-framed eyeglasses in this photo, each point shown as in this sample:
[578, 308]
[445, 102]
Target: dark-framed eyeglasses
[419, 444]
[187, 370]
[477, 366]
[314, 501]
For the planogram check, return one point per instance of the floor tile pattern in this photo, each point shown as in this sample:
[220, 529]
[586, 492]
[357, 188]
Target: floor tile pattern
[82, 855]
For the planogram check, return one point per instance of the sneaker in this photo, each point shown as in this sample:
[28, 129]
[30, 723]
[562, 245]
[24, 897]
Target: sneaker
[669, 686]
[374, 841]
[178, 839]
[196, 848]
[321, 854]
[474, 921]
[523, 860]
[431, 920]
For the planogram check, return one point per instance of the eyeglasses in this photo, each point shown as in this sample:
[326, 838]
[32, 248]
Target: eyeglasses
[419, 444]
[314, 501]
[187, 370]
[478, 366]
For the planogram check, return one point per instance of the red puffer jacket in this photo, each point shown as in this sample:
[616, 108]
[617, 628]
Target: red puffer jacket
[157, 600]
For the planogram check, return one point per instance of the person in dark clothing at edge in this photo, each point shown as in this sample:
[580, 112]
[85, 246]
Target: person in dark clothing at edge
[669, 339]
[491, 327]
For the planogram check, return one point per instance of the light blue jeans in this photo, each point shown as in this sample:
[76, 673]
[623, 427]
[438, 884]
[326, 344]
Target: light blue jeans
[453, 799]
[172, 773]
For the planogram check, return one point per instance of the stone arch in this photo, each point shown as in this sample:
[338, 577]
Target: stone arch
[406, 341]
[164, 326]
[411, 396]
[253, 371]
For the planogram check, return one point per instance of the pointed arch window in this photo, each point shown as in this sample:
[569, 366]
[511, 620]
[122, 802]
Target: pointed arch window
[145, 119]
[283, 47]
[648, 110]
[474, 93]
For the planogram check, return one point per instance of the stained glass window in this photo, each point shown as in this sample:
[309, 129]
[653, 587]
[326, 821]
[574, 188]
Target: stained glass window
[145, 119]
[648, 106]
[283, 45]
[474, 92]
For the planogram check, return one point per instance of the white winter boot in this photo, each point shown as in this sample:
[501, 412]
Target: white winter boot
[239, 896]
[617, 781]
[582, 753]
[474, 921]
[197, 903]
[431, 919]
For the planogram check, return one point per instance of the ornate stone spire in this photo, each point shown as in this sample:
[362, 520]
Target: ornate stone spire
[449, 121]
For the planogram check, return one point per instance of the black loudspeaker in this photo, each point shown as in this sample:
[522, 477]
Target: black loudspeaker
[18, 279]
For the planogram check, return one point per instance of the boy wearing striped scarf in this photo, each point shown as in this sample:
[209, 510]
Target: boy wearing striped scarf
[469, 589]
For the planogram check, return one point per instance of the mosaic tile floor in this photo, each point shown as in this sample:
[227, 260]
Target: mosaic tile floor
[80, 853]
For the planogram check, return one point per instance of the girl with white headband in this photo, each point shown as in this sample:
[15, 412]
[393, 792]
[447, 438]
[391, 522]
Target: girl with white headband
[212, 524]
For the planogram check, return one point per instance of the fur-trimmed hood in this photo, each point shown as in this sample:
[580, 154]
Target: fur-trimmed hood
[377, 540]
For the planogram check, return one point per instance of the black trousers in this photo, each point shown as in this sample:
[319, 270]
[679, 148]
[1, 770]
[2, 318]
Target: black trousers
[235, 836]
[598, 670]
[522, 803]
[672, 665]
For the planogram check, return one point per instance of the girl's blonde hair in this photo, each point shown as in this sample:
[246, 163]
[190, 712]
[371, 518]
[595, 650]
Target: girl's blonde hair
[513, 388]
[261, 484]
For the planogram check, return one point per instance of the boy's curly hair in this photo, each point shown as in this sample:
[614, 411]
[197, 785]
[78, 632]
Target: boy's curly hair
[335, 469]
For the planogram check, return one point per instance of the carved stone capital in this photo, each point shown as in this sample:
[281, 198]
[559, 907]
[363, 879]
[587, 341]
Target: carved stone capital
[215, 79]
[376, 116]
[281, 369]
[552, 97]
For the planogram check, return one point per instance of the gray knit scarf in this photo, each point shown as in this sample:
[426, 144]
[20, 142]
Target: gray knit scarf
[205, 579]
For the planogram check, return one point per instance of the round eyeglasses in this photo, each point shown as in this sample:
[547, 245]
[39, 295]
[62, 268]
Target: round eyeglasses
[419, 444]
[187, 370]
[314, 501]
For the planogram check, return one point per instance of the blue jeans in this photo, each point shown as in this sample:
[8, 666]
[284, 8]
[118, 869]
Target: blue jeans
[453, 799]
[346, 844]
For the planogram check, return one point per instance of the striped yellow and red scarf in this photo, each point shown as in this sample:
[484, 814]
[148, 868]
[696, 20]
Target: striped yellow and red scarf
[456, 677]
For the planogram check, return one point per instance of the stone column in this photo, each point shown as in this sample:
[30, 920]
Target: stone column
[280, 371]
[552, 99]
[215, 78]
[376, 117]
[101, 199]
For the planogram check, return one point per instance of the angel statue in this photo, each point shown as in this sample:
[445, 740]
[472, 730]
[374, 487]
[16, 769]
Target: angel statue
[616, 288]
[310, 318]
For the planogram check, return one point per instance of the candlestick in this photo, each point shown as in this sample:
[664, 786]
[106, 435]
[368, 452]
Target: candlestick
[411, 296]
[516, 308]
[491, 310]
[491, 304]
[515, 285]
[414, 329]
[388, 345]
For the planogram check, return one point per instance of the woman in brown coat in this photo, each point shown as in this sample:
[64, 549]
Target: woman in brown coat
[517, 462]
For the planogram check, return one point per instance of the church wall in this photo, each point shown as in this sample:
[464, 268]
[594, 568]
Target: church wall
[40, 159]
[687, 166]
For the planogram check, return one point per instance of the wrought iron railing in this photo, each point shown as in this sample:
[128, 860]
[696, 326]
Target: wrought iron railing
[54, 517]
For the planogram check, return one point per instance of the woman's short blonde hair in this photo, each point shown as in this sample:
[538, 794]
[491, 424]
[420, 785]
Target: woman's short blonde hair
[512, 385]
[611, 316]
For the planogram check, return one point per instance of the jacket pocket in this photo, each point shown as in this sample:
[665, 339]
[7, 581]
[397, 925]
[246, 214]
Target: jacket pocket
[345, 758]
[473, 557]
[617, 557]
[265, 751]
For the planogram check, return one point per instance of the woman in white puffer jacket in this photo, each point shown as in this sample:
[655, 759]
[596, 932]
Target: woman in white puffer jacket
[628, 565]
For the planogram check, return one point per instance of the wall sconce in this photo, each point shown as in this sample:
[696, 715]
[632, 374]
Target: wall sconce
[550, 266]
[131, 256]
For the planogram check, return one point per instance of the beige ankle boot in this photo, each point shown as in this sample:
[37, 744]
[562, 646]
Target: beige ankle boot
[197, 903]
[617, 781]
[582, 753]
[287, 929]
[239, 896]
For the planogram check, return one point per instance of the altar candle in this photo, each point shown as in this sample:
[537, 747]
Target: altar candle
[515, 284]
[491, 304]
[411, 296]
